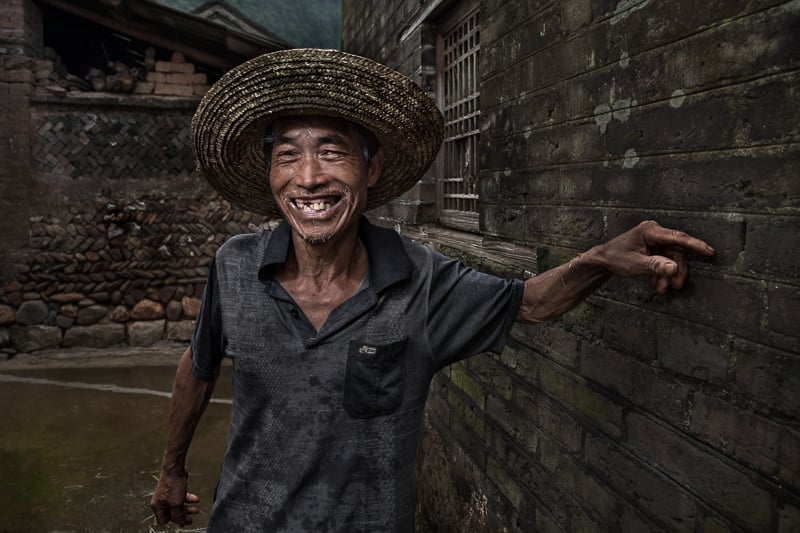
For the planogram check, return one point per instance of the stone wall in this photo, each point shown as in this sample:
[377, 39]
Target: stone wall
[634, 412]
[107, 232]
[116, 268]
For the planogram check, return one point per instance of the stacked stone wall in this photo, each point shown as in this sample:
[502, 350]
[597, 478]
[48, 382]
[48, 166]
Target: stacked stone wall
[107, 232]
[117, 269]
[634, 412]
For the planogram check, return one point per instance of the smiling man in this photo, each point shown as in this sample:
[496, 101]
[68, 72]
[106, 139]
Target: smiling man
[335, 326]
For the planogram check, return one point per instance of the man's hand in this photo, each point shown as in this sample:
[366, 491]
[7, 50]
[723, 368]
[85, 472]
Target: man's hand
[649, 249]
[171, 501]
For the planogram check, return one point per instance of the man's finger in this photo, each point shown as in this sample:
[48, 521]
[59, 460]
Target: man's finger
[178, 515]
[191, 498]
[661, 285]
[661, 266]
[161, 512]
[656, 235]
[676, 281]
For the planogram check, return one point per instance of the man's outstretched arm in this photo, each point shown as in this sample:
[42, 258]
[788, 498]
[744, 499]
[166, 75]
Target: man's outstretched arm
[648, 249]
[190, 396]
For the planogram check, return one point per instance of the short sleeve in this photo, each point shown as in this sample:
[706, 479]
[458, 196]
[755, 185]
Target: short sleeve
[469, 312]
[208, 346]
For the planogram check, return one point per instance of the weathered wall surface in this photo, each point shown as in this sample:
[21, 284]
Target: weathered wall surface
[20, 36]
[634, 412]
[375, 28]
[106, 232]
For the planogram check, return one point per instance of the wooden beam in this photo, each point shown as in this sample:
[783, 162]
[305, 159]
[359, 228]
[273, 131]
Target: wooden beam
[511, 255]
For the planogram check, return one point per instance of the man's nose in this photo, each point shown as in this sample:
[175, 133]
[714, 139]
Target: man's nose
[310, 173]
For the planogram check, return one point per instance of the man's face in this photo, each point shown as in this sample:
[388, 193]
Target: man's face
[319, 177]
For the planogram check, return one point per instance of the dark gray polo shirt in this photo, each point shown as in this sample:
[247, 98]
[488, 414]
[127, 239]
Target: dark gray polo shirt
[325, 424]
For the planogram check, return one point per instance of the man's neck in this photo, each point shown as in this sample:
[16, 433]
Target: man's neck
[324, 262]
[320, 277]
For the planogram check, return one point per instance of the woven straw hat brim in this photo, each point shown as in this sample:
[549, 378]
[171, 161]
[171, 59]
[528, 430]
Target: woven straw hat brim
[228, 126]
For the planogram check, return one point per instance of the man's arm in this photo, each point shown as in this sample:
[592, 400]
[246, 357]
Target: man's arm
[190, 396]
[647, 249]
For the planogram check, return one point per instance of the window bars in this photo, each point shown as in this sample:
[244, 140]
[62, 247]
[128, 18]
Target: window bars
[460, 101]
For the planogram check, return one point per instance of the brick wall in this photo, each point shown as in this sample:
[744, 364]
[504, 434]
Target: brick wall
[111, 137]
[20, 35]
[633, 412]
[20, 28]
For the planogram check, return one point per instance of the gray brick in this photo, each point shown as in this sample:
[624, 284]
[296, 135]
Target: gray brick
[728, 488]
[653, 493]
[769, 242]
[695, 352]
[651, 389]
[789, 519]
[766, 375]
[766, 445]
[571, 390]
[783, 309]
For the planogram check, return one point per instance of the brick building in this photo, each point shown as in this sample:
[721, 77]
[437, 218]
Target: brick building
[567, 123]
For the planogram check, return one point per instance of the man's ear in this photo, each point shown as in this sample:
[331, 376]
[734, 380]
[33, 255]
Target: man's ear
[375, 167]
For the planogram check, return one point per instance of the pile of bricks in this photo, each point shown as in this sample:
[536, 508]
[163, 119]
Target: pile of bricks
[49, 75]
[176, 77]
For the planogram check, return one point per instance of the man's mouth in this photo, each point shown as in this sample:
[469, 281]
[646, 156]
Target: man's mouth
[316, 205]
[312, 205]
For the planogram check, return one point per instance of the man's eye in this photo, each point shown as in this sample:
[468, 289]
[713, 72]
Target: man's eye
[286, 154]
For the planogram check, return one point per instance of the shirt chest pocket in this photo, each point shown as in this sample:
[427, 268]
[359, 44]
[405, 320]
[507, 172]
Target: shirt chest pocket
[375, 379]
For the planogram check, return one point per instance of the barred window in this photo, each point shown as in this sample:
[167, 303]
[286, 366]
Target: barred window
[459, 98]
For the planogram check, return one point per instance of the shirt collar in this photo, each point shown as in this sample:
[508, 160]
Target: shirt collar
[388, 260]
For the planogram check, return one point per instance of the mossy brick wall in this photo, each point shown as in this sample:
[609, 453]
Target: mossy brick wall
[107, 232]
[633, 412]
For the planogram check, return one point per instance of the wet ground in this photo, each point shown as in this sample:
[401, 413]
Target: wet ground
[81, 437]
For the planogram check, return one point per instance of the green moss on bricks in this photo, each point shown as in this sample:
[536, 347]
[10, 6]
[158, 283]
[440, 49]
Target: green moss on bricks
[465, 382]
[597, 408]
[505, 483]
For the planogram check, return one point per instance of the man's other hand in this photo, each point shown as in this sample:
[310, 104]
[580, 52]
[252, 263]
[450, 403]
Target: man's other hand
[171, 502]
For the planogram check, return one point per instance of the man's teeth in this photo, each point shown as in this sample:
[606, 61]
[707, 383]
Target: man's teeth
[313, 206]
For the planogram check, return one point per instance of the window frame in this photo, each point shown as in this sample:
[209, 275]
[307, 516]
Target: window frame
[457, 192]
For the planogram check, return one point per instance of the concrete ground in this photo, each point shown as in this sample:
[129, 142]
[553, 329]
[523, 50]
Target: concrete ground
[81, 438]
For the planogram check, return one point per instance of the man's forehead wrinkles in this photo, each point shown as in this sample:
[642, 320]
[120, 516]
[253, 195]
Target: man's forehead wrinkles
[317, 139]
[334, 138]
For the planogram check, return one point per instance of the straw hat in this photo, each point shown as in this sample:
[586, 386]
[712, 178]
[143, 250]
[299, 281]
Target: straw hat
[228, 127]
